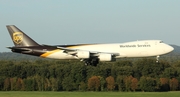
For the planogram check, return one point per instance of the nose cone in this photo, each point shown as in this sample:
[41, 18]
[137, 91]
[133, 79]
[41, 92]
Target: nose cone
[169, 49]
[164, 49]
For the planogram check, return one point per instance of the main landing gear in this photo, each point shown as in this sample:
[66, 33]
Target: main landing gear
[92, 62]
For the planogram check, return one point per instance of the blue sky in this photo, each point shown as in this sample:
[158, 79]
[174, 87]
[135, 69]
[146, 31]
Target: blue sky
[91, 21]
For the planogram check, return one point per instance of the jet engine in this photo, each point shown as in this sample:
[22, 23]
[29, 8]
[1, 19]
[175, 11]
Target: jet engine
[83, 54]
[106, 57]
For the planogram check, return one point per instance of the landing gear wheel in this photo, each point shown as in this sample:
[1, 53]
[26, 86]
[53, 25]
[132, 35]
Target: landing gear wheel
[157, 59]
[87, 63]
[92, 62]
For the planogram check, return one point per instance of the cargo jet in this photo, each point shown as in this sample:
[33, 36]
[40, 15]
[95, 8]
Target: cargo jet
[91, 54]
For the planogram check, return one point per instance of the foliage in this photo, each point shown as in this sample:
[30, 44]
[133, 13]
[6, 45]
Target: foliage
[147, 84]
[69, 75]
[134, 84]
[164, 84]
[174, 84]
[110, 83]
[94, 83]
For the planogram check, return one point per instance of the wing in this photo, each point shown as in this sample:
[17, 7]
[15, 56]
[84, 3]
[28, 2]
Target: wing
[75, 52]
[86, 54]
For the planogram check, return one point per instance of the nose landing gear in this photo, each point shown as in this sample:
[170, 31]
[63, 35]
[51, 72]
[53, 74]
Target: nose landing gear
[157, 59]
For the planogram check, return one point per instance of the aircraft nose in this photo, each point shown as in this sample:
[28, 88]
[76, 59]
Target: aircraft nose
[169, 49]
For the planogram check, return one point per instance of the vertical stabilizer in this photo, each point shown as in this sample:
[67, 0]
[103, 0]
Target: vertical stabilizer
[19, 38]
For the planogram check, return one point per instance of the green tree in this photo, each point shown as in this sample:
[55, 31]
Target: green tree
[39, 82]
[2, 83]
[120, 82]
[68, 84]
[149, 68]
[102, 82]
[147, 84]
[82, 86]
[54, 84]
[78, 74]
[30, 84]
[169, 72]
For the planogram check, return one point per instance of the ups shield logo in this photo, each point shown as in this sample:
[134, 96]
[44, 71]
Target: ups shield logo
[17, 37]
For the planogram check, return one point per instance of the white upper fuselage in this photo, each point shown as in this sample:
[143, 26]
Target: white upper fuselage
[145, 48]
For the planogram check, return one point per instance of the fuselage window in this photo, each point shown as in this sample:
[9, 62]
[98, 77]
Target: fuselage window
[161, 42]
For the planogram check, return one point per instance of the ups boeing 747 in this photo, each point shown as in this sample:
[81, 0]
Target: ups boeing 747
[91, 54]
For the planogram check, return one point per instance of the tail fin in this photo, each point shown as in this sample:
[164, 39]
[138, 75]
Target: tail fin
[20, 39]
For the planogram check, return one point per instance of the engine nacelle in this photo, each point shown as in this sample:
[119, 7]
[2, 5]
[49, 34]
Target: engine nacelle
[83, 54]
[106, 57]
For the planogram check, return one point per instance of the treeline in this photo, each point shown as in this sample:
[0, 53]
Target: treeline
[64, 75]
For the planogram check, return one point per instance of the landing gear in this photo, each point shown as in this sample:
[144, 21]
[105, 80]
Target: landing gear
[92, 62]
[157, 59]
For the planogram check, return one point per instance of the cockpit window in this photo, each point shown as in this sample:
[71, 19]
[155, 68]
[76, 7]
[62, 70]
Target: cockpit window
[161, 42]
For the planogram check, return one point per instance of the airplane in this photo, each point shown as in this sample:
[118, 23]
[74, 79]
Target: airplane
[91, 54]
